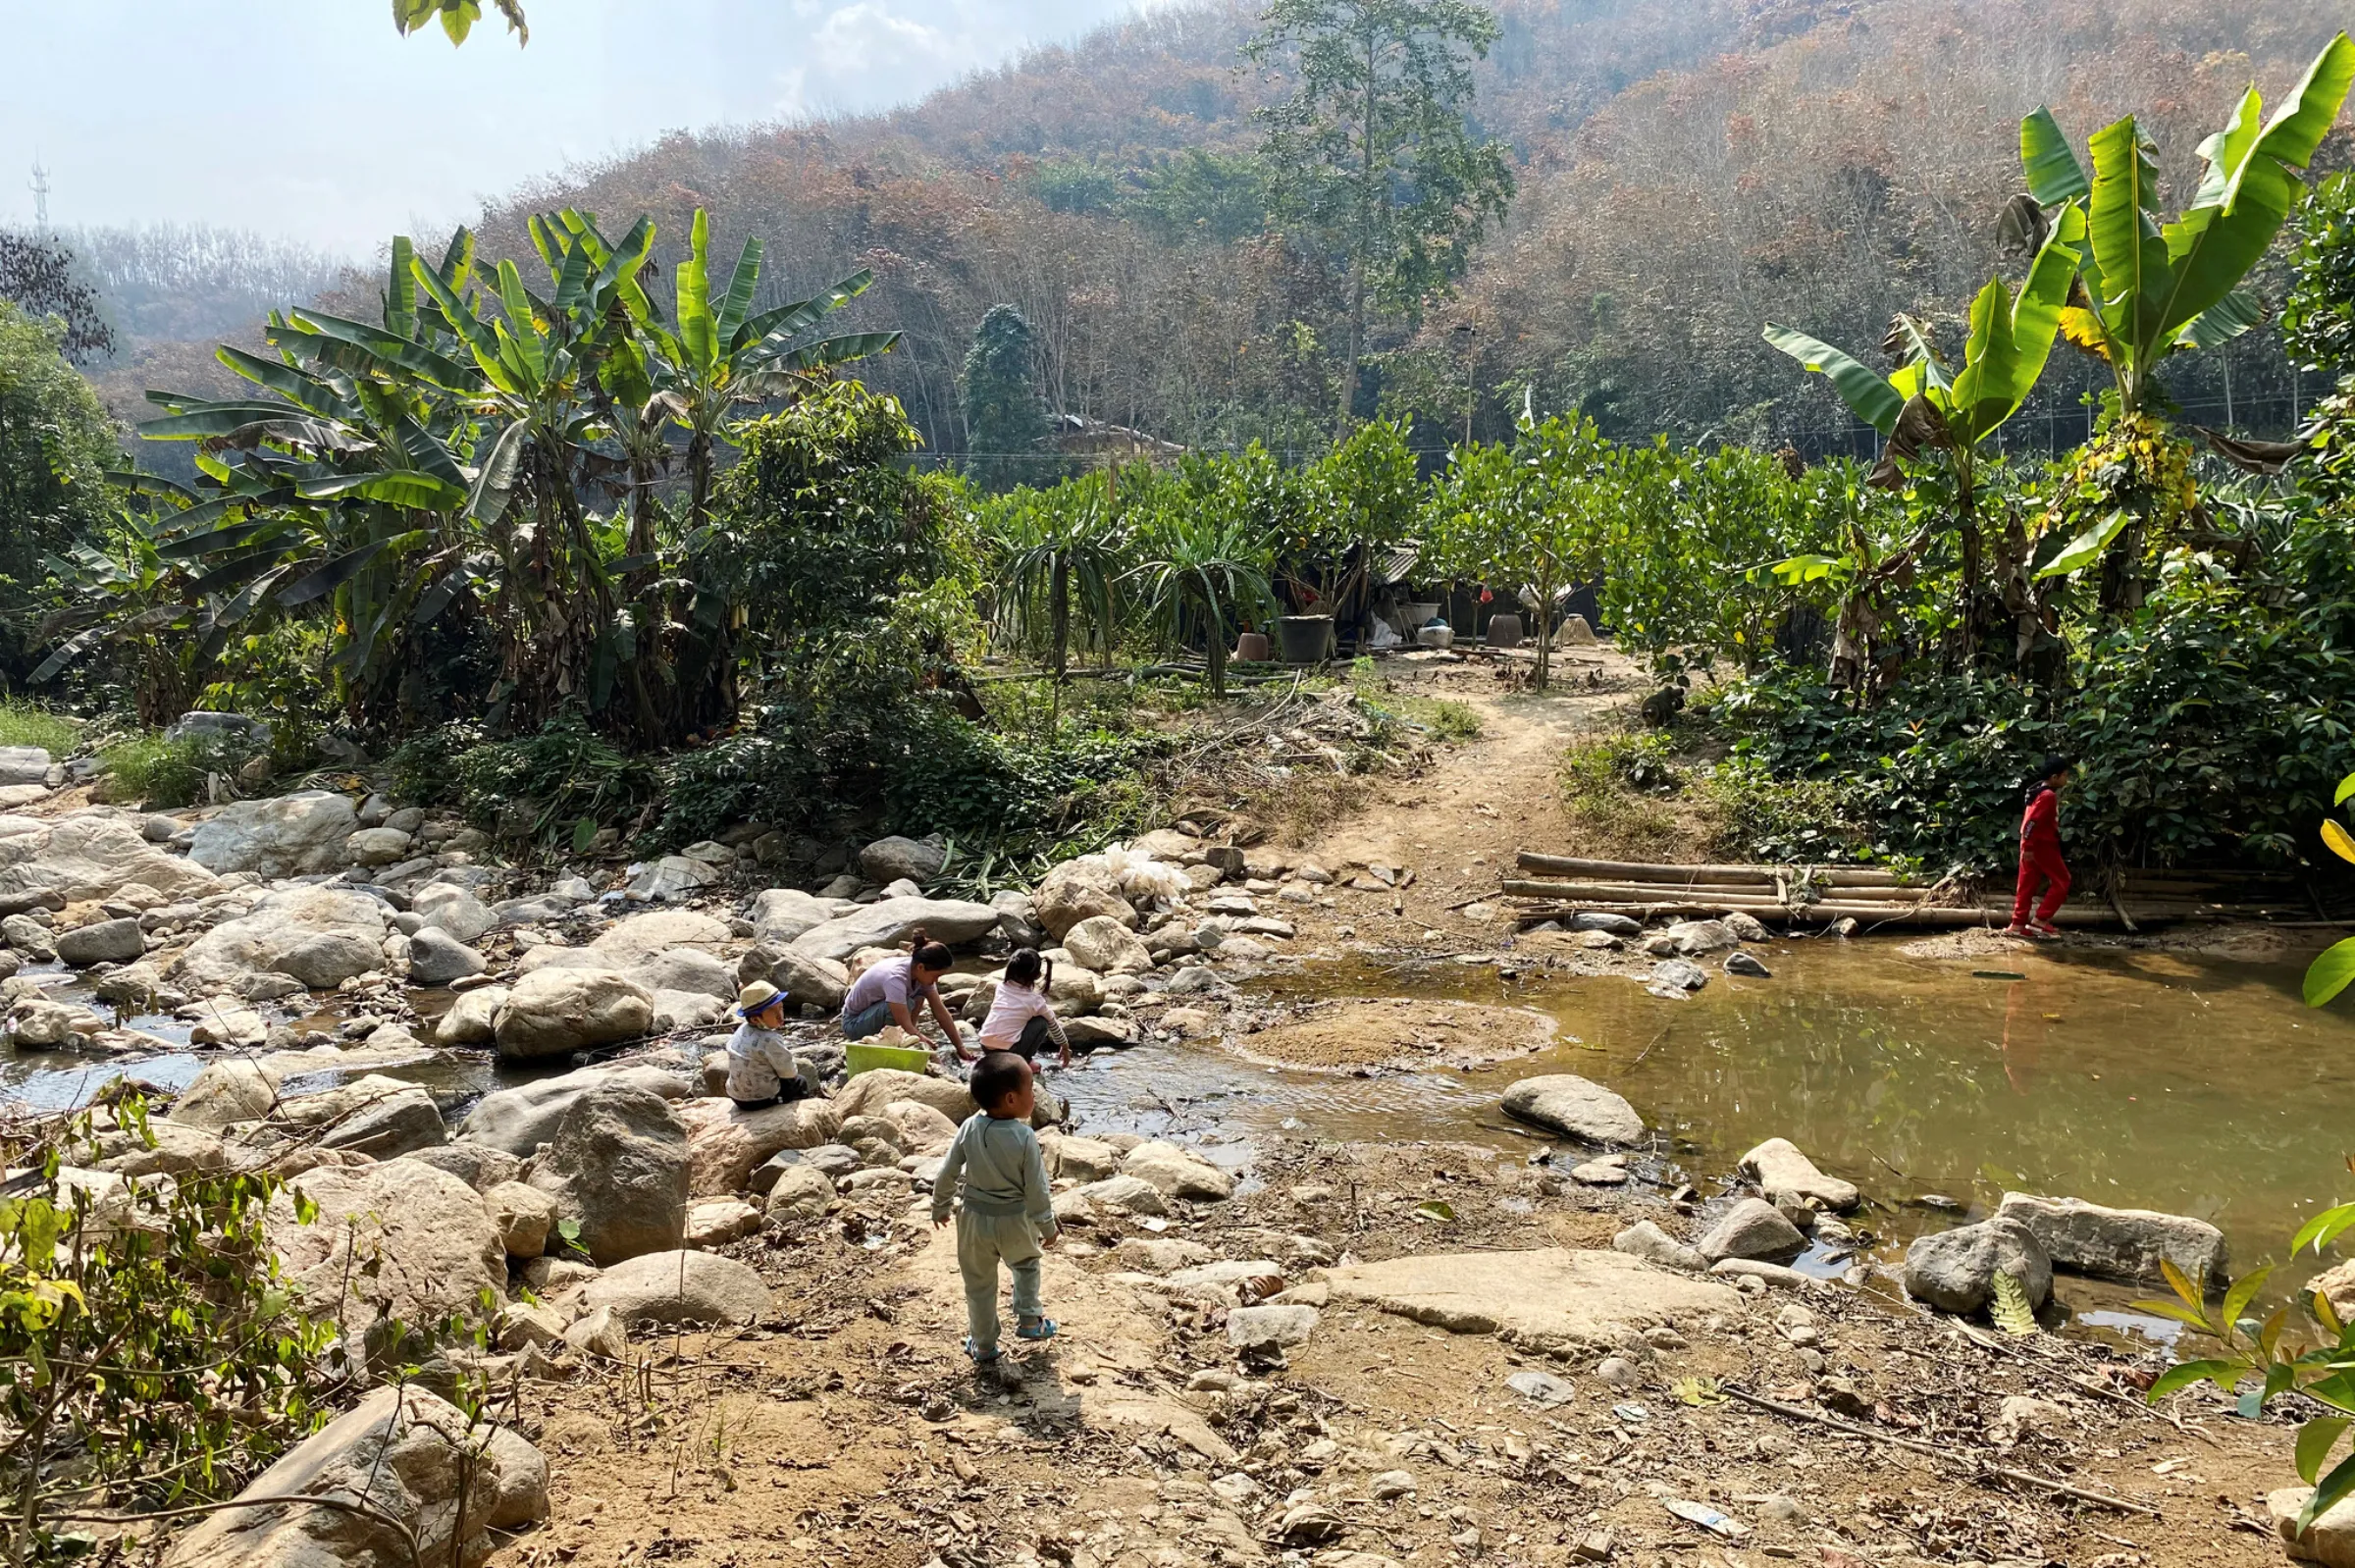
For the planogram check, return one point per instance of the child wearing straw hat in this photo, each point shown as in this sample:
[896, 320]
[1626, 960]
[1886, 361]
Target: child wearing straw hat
[761, 1067]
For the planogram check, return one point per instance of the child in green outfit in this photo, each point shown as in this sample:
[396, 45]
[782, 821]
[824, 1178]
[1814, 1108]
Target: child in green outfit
[1009, 1214]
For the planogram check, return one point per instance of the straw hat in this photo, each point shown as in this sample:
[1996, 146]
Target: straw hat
[756, 996]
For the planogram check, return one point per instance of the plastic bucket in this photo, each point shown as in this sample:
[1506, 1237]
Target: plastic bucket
[1251, 648]
[865, 1056]
[1305, 637]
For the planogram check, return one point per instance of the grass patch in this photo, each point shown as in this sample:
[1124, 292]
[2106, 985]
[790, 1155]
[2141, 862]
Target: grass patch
[1445, 721]
[1616, 790]
[166, 773]
[24, 723]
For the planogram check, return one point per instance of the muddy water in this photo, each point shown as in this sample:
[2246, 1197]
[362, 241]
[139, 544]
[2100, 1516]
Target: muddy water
[2137, 1079]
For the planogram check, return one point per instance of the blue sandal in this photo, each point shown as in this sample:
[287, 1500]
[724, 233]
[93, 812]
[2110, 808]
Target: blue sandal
[981, 1360]
[1043, 1328]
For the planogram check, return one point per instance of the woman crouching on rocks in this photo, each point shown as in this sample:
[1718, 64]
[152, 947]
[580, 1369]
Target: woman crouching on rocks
[888, 992]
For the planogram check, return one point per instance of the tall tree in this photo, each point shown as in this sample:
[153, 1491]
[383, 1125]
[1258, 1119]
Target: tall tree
[37, 275]
[1371, 160]
[1004, 419]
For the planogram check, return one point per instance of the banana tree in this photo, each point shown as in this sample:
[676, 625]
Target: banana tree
[333, 484]
[1925, 407]
[1059, 550]
[2153, 290]
[724, 353]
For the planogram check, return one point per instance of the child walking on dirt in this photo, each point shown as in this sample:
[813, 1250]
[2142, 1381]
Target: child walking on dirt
[2040, 861]
[1008, 1215]
[1020, 1017]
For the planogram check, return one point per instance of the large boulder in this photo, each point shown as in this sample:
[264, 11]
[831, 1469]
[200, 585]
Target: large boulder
[372, 1115]
[523, 1215]
[404, 1239]
[724, 1141]
[1017, 919]
[431, 1478]
[435, 958]
[822, 982]
[1177, 1172]
[224, 1092]
[454, 912]
[1551, 1299]
[517, 1120]
[1076, 891]
[1751, 1229]
[781, 915]
[118, 941]
[889, 922]
[1955, 1270]
[1781, 1171]
[556, 1011]
[317, 936]
[871, 1092]
[286, 835]
[633, 941]
[1101, 943]
[24, 764]
[891, 859]
[473, 1017]
[674, 1288]
[1565, 1103]
[2120, 1243]
[617, 1161]
[92, 855]
[687, 969]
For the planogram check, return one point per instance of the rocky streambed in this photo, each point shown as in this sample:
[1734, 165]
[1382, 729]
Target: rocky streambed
[1568, 1350]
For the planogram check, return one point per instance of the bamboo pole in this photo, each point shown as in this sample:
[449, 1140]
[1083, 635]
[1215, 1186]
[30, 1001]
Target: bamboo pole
[1640, 872]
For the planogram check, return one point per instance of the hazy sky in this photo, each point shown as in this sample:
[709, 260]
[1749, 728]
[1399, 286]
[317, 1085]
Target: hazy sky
[311, 120]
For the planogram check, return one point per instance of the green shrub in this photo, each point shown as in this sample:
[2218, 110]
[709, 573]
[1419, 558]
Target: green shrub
[558, 786]
[1760, 818]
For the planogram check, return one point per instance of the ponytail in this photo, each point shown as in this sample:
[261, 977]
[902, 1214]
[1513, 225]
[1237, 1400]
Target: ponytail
[1029, 967]
[928, 954]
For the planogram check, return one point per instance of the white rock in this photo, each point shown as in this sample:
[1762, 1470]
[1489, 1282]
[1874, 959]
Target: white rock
[92, 855]
[1781, 1170]
[675, 1287]
[554, 1011]
[318, 936]
[405, 1452]
[286, 835]
[1103, 944]
[1573, 1106]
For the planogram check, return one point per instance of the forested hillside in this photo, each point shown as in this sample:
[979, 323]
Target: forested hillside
[1686, 171]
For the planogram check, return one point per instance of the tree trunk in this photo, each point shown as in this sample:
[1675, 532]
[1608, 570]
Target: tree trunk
[1059, 614]
[699, 477]
[1544, 619]
[1357, 330]
[1967, 522]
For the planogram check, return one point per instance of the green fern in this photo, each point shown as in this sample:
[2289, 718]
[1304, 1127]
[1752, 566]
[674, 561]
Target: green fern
[2010, 1309]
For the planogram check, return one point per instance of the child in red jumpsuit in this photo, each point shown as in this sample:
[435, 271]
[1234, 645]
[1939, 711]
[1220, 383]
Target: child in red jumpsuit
[2040, 862]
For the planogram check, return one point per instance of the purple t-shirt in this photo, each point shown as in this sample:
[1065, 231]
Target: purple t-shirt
[887, 980]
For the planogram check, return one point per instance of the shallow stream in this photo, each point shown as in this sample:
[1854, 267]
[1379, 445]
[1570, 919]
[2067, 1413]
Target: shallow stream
[2132, 1079]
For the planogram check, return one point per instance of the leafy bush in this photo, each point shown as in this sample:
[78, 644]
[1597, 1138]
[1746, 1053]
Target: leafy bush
[1760, 818]
[561, 785]
[144, 1330]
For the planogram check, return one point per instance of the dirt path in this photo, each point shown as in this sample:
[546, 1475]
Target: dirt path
[1482, 800]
